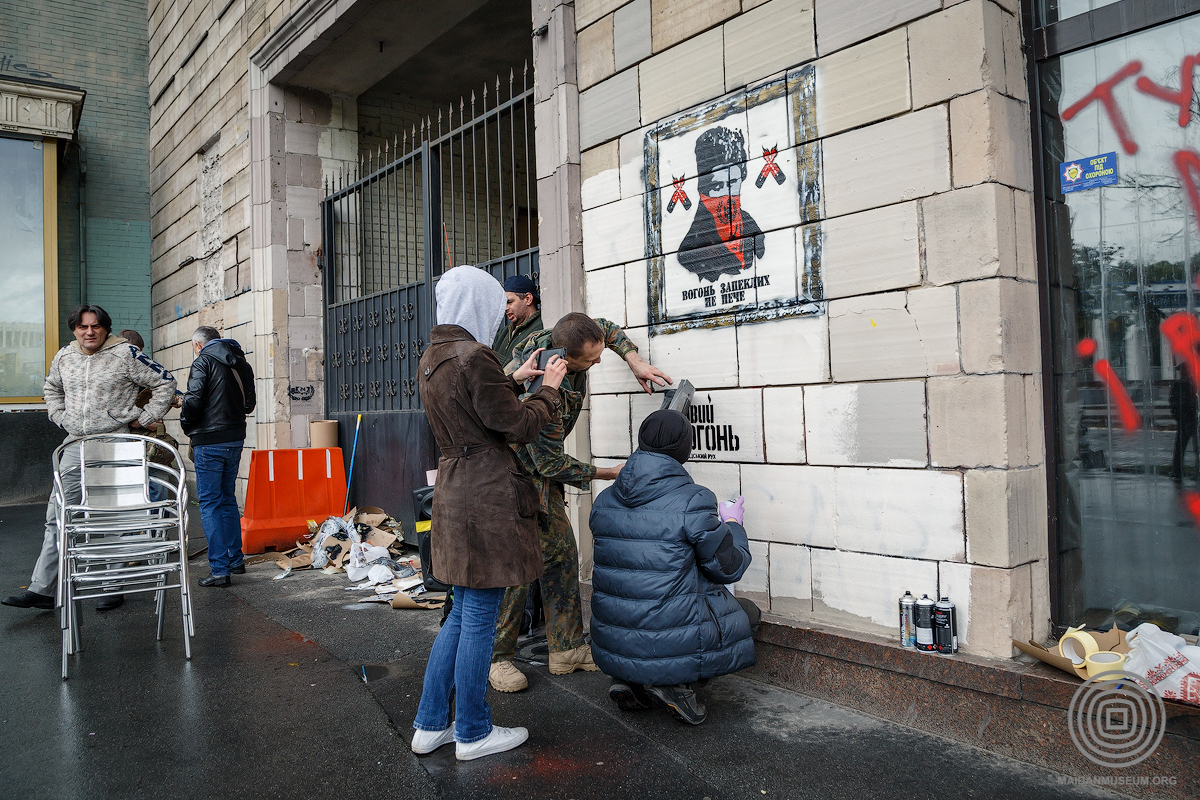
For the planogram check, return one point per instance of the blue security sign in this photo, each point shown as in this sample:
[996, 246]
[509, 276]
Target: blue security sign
[1088, 173]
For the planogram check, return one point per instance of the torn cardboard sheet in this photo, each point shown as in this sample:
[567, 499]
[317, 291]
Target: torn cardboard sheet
[427, 600]
[1112, 640]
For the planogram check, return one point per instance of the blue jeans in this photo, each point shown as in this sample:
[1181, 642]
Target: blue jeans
[459, 664]
[216, 479]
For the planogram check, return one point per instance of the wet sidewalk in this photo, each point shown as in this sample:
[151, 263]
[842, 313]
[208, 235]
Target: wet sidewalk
[275, 703]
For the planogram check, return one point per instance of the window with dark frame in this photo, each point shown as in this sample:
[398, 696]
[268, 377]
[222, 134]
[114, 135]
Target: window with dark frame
[1116, 139]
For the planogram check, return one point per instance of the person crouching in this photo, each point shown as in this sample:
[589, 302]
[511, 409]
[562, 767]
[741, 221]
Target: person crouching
[661, 616]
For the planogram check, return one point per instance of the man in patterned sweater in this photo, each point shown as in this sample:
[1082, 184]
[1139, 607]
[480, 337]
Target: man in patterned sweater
[92, 387]
[546, 460]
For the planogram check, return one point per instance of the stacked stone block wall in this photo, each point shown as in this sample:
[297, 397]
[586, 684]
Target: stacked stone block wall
[897, 436]
[203, 237]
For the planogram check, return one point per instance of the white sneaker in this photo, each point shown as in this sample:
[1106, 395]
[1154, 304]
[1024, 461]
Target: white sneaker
[425, 742]
[499, 740]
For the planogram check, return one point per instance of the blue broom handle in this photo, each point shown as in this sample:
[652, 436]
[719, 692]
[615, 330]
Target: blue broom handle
[353, 453]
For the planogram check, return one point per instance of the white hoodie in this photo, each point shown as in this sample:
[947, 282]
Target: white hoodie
[472, 299]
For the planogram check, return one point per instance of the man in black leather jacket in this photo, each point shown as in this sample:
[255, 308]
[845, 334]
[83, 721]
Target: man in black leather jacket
[220, 394]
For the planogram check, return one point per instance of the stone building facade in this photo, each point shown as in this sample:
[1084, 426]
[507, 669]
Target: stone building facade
[889, 426]
[833, 218]
[937, 341]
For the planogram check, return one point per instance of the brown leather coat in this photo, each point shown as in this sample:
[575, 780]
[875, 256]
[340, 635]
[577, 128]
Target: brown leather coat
[484, 532]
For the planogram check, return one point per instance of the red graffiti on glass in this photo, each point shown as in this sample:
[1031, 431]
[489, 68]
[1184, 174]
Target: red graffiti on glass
[1191, 503]
[1131, 420]
[1183, 333]
[1103, 93]
[1182, 97]
[1187, 164]
[770, 168]
[680, 196]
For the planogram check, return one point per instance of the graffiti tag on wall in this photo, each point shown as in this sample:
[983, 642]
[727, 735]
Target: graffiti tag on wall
[731, 188]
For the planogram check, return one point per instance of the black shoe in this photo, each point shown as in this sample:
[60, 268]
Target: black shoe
[109, 603]
[215, 580]
[682, 701]
[240, 569]
[629, 696]
[28, 599]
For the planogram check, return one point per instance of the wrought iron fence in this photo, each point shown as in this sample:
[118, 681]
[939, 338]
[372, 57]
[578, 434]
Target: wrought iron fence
[434, 197]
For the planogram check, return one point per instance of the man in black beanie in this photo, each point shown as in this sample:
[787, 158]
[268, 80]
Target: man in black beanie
[664, 551]
[522, 307]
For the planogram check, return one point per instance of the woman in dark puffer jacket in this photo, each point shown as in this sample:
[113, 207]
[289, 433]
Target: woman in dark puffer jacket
[661, 615]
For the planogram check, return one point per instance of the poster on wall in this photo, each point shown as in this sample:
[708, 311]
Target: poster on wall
[732, 204]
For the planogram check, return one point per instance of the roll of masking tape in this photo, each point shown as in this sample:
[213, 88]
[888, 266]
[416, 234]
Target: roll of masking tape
[1104, 661]
[1077, 644]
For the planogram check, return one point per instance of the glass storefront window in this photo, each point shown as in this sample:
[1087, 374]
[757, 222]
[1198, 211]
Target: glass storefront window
[1123, 260]
[22, 270]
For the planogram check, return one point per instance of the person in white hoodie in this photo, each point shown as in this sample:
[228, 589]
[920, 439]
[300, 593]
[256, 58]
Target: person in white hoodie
[92, 387]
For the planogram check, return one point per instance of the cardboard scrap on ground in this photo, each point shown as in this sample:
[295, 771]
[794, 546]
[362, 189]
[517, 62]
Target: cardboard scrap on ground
[426, 600]
[1112, 640]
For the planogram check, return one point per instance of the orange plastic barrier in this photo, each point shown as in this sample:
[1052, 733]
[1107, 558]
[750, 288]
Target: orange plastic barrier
[286, 489]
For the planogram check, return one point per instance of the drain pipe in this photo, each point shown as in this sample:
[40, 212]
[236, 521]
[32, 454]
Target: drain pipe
[82, 225]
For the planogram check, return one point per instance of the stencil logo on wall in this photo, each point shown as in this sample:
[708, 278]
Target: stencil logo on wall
[732, 201]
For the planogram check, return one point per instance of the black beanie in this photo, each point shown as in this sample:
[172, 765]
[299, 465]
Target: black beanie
[666, 432]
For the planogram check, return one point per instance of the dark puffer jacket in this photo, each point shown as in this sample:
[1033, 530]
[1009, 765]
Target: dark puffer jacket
[660, 615]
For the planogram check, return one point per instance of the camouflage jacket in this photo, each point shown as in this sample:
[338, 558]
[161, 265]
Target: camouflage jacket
[545, 457]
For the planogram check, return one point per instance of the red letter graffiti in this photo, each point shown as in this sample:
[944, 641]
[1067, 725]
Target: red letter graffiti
[1131, 420]
[1183, 332]
[1191, 503]
[1181, 98]
[1104, 94]
[1186, 163]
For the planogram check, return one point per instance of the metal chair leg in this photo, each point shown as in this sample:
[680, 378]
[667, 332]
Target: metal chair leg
[160, 604]
[76, 624]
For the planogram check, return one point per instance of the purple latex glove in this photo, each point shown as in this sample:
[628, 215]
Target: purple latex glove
[732, 511]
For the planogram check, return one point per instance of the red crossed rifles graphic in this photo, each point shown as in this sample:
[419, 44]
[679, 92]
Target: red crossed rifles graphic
[770, 168]
[680, 196]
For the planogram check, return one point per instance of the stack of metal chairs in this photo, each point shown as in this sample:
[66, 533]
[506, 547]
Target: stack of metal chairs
[125, 533]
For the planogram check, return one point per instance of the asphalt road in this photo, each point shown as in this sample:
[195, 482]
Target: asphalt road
[275, 703]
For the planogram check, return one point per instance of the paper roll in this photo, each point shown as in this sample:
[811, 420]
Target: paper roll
[1077, 644]
[1104, 661]
[323, 433]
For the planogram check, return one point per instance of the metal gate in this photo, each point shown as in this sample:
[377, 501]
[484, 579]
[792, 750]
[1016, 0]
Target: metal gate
[433, 197]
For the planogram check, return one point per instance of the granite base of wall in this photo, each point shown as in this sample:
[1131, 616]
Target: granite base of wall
[28, 440]
[1017, 708]
[1013, 708]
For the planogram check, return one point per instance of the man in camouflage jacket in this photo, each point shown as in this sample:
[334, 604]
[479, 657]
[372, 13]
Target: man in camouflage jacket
[92, 387]
[547, 461]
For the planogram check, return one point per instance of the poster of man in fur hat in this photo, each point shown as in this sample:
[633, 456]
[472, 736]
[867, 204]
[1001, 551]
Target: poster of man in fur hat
[723, 239]
[726, 201]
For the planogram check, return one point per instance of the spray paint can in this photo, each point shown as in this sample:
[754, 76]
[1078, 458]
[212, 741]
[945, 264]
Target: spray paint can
[908, 629]
[945, 626]
[923, 624]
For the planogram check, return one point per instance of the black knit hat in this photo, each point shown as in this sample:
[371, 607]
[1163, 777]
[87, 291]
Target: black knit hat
[666, 432]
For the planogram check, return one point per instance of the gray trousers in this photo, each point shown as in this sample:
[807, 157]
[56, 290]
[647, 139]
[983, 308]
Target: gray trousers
[45, 571]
